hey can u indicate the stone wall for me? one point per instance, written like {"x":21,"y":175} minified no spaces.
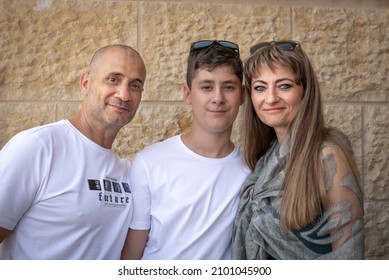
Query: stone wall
{"x":45,"y":45}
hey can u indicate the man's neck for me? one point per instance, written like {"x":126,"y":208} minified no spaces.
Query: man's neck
{"x":94,"y":132}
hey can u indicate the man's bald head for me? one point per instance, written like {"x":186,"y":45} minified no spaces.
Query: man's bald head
{"x":99,"y":53}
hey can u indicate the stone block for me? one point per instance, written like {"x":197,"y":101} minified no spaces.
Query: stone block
{"x":347,"y":118}
{"x":16,"y":117}
{"x":376,"y":152}
{"x":43,"y":57}
{"x":348,"y":48}
{"x":376,"y":229}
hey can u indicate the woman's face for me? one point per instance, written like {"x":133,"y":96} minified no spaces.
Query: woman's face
{"x":276,"y":97}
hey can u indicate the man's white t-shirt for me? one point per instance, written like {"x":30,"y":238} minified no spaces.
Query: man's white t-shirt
{"x":63,"y":196}
{"x":187,"y":201}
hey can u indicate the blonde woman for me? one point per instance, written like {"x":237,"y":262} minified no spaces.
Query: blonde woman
{"x":303,"y":199}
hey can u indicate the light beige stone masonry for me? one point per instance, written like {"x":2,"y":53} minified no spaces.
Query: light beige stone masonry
{"x":46,"y":44}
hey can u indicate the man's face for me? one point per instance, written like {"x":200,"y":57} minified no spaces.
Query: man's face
{"x":113,"y":87}
{"x":215,"y":97}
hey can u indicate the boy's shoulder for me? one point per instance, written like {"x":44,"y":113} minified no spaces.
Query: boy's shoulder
{"x":162,"y":145}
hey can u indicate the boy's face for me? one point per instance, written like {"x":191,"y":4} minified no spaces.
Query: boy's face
{"x":215,"y":98}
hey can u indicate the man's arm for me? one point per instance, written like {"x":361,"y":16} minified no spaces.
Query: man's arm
{"x":4,"y":233}
{"x":135,"y":244}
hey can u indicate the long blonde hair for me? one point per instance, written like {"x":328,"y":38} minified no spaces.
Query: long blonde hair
{"x":304,"y":196}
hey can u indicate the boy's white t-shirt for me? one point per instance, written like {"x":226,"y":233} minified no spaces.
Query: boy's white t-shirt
{"x":188,"y":201}
{"x":64,"y":196}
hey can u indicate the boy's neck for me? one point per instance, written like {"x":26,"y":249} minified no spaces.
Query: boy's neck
{"x":208,"y":145}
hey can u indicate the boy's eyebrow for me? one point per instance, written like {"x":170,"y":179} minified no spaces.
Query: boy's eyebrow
{"x":231,"y":82}
{"x":224,"y":82}
{"x":206,"y":81}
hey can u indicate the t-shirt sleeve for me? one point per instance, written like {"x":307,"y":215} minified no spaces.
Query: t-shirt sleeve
{"x":139,"y":185}
{"x":22,"y":168}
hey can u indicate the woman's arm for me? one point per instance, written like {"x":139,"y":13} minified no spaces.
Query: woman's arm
{"x":344,"y":198}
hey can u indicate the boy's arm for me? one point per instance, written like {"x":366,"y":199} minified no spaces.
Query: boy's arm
{"x":4,"y":233}
{"x":135,"y":244}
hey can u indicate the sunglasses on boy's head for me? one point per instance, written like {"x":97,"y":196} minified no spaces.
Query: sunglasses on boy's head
{"x":207,"y":43}
{"x":283,"y":45}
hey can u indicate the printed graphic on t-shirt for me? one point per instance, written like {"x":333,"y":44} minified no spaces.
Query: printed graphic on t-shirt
{"x":126,"y":187}
{"x":94,"y":185}
{"x":113,"y":194}
{"x":107,"y":185}
{"x":116,"y":187}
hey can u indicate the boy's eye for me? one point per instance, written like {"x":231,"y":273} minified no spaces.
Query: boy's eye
{"x":229,"y":87}
{"x":206,"y":87}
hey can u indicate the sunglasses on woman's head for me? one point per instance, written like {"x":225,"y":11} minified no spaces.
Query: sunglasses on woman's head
{"x":207,"y":43}
{"x":282,"y":45}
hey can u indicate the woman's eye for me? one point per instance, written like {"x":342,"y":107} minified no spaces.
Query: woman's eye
{"x":285,"y":86}
{"x":259,"y":88}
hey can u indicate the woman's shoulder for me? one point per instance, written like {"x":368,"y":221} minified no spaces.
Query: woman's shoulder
{"x":337,"y":143}
{"x":339,"y":164}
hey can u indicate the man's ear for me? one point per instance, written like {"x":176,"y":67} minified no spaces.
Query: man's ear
{"x":84,"y":83}
{"x":186,"y":94}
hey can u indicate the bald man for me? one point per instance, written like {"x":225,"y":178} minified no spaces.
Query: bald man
{"x":64,"y":194}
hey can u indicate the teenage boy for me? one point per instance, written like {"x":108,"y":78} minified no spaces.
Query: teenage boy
{"x":186,"y":188}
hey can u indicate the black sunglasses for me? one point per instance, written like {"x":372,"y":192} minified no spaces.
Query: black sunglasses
{"x":283,"y":45}
{"x":207,"y":43}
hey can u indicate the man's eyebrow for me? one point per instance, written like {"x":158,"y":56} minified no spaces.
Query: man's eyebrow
{"x":118,"y":74}
{"x":115,"y":74}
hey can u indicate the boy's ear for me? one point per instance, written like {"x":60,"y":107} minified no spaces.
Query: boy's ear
{"x":186,"y":94}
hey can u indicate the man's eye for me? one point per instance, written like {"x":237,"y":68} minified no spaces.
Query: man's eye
{"x":137,"y":87}
{"x":112,"y":80}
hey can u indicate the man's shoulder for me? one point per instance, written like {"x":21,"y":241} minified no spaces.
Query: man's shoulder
{"x":59,"y":125}
{"x":38,"y":132}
